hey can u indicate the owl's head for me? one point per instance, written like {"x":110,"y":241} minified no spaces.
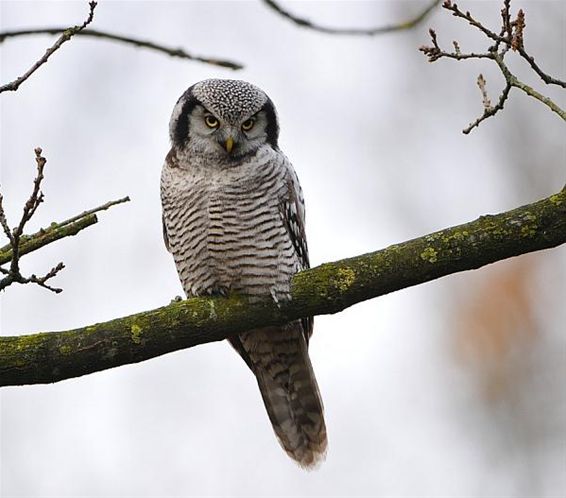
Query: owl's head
{"x":224,"y":119}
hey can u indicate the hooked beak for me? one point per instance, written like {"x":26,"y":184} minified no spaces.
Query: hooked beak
{"x":229,"y":144}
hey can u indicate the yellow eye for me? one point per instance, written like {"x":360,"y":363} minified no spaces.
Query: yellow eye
{"x":211,"y":121}
{"x":248,"y":124}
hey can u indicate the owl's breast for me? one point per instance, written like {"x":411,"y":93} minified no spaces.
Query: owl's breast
{"x":247,"y":241}
{"x":226,"y":231}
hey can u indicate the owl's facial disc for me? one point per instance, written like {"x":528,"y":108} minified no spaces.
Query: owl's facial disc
{"x":234,"y":138}
{"x":224,"y":117}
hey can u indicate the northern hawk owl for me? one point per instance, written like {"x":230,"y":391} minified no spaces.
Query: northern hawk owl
{"x":234,"y":221}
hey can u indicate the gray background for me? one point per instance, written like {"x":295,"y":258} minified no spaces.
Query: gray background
{"x":374,"y":132}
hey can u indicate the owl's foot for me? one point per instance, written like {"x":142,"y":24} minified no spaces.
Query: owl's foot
{"x":218,"y":292}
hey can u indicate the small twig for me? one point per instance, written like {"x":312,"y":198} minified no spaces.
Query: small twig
{"x":456,"y":12}
{"x":511,"y":37}
{"x":173,"y":52}
{"x":305,"y":23}
{"x":36,"y":197}
{"x":505,"y":23}
{"x":34,"y":200}
{"x":84,"y":214}
{"x":549,"y":80}
{"x":514,"y":82}
{"x":485,"y":97}
{"x":67,"y":35}
{"x":490,"y":111}
{"x":435,"y":52}
{"x":41,"y":280}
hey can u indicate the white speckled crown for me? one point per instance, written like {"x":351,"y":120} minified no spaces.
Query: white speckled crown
{"x":232,"y":100}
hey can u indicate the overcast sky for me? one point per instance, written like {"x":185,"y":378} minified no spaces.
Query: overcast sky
{"x":374,"y":132}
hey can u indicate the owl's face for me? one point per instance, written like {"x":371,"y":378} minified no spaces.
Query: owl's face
{"x":223,"y":119}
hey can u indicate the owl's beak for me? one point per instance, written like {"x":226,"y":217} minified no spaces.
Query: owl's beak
{"x":229,"y":144}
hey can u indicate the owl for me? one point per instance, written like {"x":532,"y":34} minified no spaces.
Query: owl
{"x":234,"y":221}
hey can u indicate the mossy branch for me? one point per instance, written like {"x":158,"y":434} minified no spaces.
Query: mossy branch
{"x":56,"y":231}
{"x":30,"y":243}
{"x":329,"y":288}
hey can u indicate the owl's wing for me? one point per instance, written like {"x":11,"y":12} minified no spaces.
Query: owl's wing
{"x":293,"y":214}
{"x":165,"y":237}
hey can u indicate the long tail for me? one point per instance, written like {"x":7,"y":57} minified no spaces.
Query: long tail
{"x":279,"y":358}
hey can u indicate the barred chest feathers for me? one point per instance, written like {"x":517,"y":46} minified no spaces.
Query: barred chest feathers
{"x":225,"y":226}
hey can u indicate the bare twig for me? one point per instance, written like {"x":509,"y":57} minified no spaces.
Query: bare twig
{"x":305,"y":23}
{"x":549,"y":80}
{"x":67,"y":35}
{"x":490,"y":111}
{"x":20,"y":244}
{"x":84,"y":214}
{"x":35,"y":199}
{"x":173,"y":52}
{"x":41,"y":281}
{"x":485,"y":97}
{"x":514,"y":82}
{"x":509,"y":38}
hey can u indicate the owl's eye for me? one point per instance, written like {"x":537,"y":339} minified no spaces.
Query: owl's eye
{"x":211,"y":121}
{"x":248,"y":124}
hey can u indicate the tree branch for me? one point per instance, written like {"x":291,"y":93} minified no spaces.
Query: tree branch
{"x":136,"y":42}
{"x":329,"y":288}
{"x":56,"y":231}
{"x":305,"y":23}
{"x":68,"y":33}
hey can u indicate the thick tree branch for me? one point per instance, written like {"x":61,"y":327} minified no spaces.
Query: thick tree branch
{"x":329,"y":288}
{"x":379,"y":30}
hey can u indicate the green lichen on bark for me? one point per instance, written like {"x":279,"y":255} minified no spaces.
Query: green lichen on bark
{"x":137,"y":332}
{"x":328,"y":288}
{"x":429,"y":254}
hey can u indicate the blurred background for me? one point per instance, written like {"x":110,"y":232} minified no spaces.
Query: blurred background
{"x":450,"y":389}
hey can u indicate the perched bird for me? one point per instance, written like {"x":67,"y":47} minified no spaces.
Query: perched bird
{"x":234,"y":221}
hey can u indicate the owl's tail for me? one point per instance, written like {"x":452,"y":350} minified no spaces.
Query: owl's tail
{"x":279,"y":358}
